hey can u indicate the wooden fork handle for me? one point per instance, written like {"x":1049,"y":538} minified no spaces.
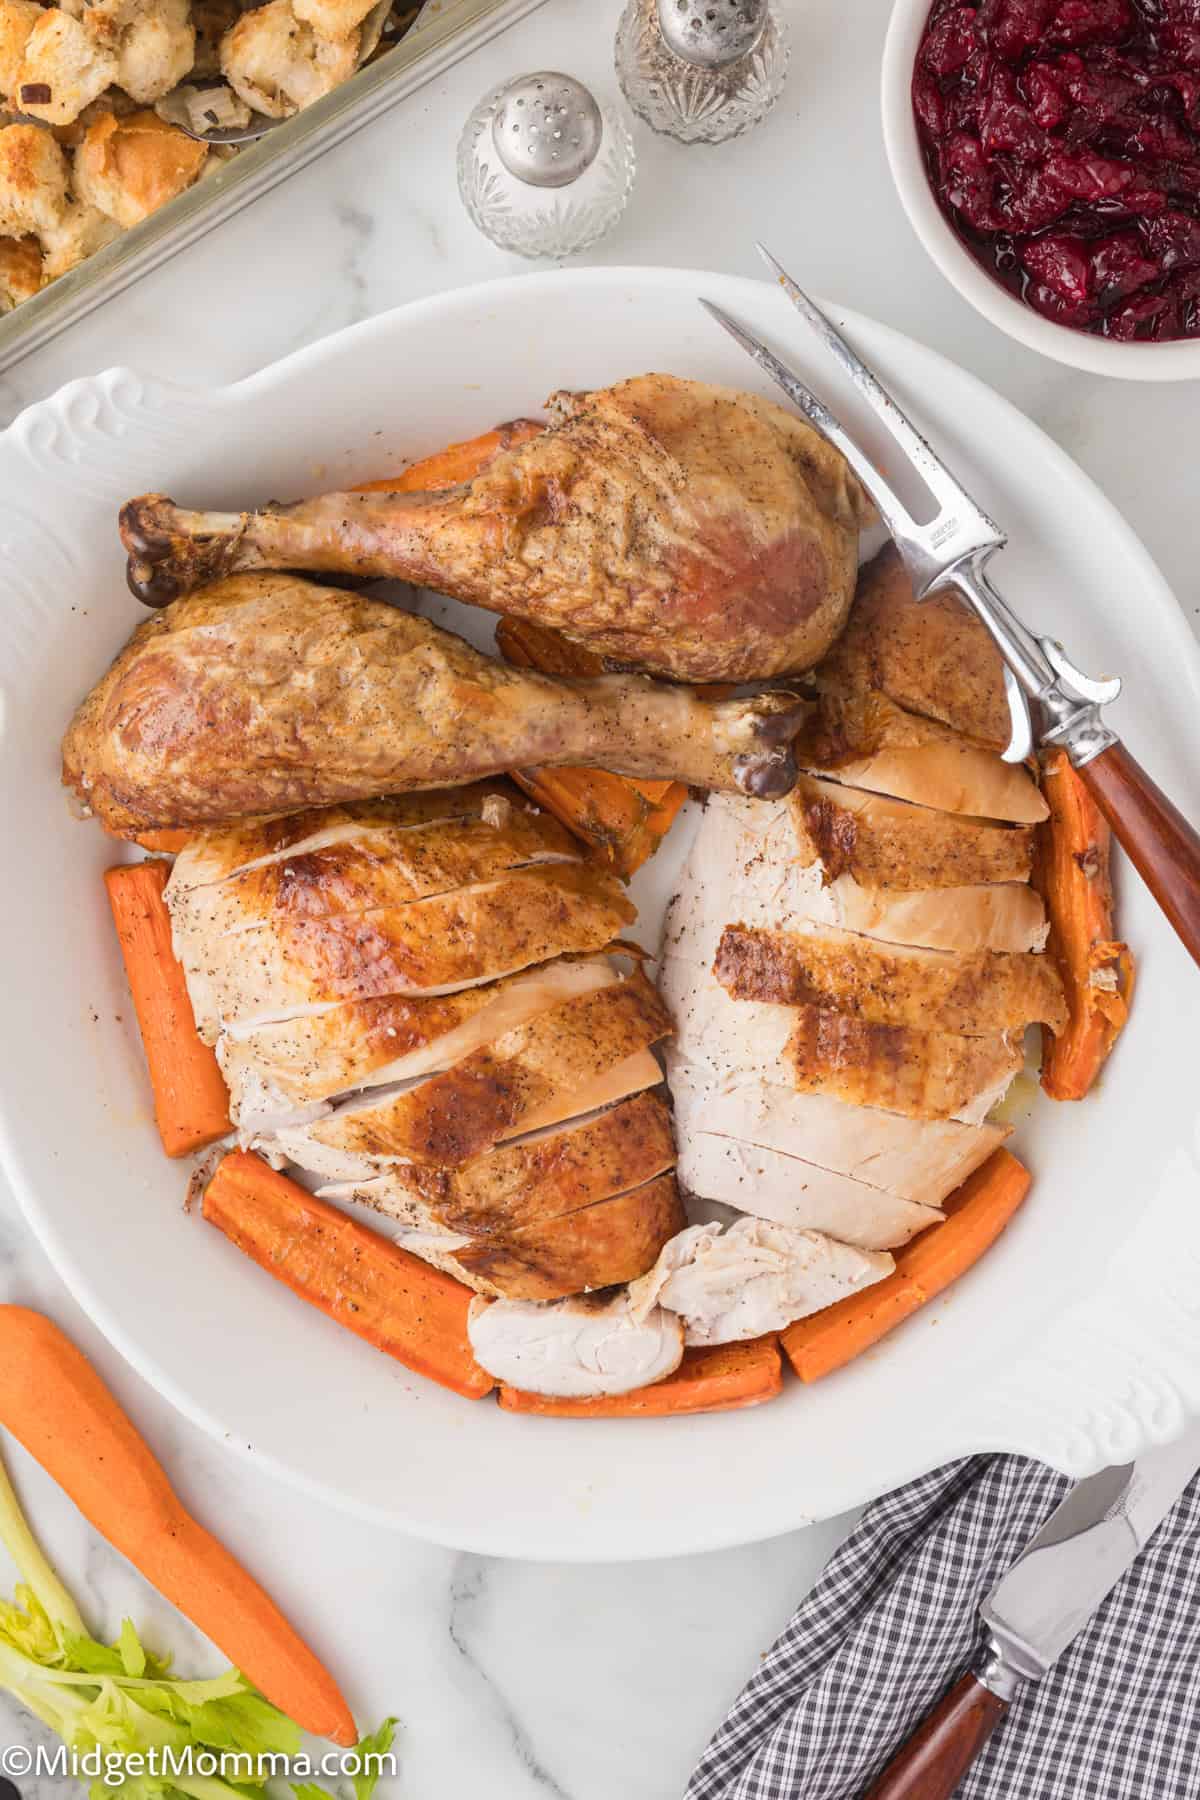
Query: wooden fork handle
{"x":1159,"y":842}
{"x":942,"y":1749}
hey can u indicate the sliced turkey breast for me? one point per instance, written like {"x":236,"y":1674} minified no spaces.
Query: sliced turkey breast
{"x":536,"y":1177}
{"x":861,"y":737}
{"x":773,"y":1185}
{"x":595,"y":1246}
{"x":745,"y":866}
{"x":255,"y":843}
{"x":931,"y":657}
{"x":612,"y":1240}
{"x":1003,"y":916}
{"x":433,"y":946}
{"x":936,"y":990}
{"x":581,"y":1348}
{"x":286,"y":1072}
{"x":926,"y":1074}
{"x":549,"y":1068}
{"x":954,"y":777}
{"x":916,"y":1159}
{"x":887,"y":843}
{"x":724,"y":1040}
{"x":728,"y":1079}
{"x":753,"y":1277}
{"x":387,"y":867}
{"x":297,"y":1144}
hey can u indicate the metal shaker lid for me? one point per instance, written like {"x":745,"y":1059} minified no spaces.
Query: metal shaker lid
{"x":547,"y":129}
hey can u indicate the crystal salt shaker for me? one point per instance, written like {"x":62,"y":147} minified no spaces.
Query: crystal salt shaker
{"x":701,"y":70}
{"x":544,"y":168}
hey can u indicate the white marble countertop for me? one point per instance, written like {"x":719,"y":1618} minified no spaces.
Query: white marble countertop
{"x":518,"y":1680}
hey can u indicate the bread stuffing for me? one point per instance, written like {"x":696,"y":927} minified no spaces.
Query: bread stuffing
{"x":279,"y":64}
{"x":77,"y":80}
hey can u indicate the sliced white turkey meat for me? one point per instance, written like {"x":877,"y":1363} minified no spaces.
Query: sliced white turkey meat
{"x":580,"y":1348}
{"x":917,"y":1159}
{"x":535,"y":1177}
{"x":722,"y":1041}
{"x":356,"y":870}
{"x":433,"y":946}
{"x":863,"y":738}
{"x":753,"y":1276}
{"x":229,"y":850}
{"x":287,"y":1073}
{"x":725,"y":1069}
{"x":818,"y":1049}
{"x":976,"y":993}
{"x":747,"y":866}
{"x":1005,"y":915}
{"x":771,"y":1184}
{"x":952,"y":777}
{"x":600,"y":1245}
{"x":926,"y":1074}
{"x":893,"y":844}
{"x":569,"y":1059}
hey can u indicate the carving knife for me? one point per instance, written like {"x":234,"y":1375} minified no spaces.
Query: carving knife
{"x":1039,"y":1608}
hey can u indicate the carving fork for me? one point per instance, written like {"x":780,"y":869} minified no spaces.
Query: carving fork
{"x":1050,"y":701}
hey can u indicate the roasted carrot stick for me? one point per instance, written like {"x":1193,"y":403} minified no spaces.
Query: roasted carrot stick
{"x":457,"y":462}
{"x":716,"y":1379}
{"x":1073,"y":847}
{"x":191,"y":1101}
{"x":360,"y":1279}
{"x":165,"y":843}
{"x":976,"y":1214}
{"x":55,"y":1404}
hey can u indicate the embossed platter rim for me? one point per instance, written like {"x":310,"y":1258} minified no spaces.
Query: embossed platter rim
{"x":1076,"y":1340}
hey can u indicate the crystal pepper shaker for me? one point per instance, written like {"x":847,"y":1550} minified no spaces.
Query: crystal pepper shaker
{"x":543,"y":167}
{"x":701,"y":70}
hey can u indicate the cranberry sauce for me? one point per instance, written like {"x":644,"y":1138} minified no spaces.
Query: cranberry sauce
{"x":1062,"y":139}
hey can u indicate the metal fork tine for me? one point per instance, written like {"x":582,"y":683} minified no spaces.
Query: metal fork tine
{"x":938,"y":478}
{"x":891,"y":508}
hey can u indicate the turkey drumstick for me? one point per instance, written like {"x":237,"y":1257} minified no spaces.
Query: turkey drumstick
{"x":684,"y":529}
{"x":266,"y":693}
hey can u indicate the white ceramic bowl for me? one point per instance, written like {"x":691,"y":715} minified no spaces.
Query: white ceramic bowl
{"x":1178,"y":361}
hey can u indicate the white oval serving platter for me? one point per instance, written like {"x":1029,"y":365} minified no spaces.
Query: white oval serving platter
{"x":1076,"y":1340}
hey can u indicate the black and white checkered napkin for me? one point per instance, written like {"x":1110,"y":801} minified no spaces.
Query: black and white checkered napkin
{"x":892,"y":1623}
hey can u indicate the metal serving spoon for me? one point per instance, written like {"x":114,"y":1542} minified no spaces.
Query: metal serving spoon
{"x":1051,"y":702}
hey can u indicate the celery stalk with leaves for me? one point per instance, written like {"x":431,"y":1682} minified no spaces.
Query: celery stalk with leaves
{"x":121,"y":1700}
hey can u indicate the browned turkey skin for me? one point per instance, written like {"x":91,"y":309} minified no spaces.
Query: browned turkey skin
{"x":689,"y":530}
{"x":266,"y":694}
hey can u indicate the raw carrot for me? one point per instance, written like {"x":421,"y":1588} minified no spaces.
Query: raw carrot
{"x":191,"y":1101}
{"x":718,"y":1378}
{"x":456,"y":463}
{"x":362,"y":1280}
{"x":1073,"y":848}
{"x":55,"y":1404}
{"x":976,"y":1214}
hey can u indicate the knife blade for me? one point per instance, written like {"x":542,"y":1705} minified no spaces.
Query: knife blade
{"x":1039,"y":1607}
{"x":1044,"y":1601}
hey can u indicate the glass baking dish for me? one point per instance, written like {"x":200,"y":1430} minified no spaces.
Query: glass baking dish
{"x":446,"y":31}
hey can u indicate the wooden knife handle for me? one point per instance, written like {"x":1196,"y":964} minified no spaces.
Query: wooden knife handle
{"x":1159,"y":842}
{"x":942,"y":1748}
